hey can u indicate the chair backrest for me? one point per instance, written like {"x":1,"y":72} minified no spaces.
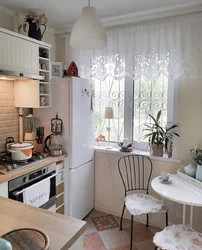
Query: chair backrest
{"x":135,"y":172}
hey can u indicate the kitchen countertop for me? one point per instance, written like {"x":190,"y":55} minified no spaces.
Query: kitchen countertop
{"x":29,"y":168}
{"x":63,"y":231}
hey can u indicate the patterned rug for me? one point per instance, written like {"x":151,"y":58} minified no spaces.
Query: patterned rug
{"x":105,"y":222}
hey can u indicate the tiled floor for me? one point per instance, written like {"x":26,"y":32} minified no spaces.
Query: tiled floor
{"x":97,"y":237}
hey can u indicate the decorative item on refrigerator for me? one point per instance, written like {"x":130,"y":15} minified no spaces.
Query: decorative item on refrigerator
{"x":37,"y":194}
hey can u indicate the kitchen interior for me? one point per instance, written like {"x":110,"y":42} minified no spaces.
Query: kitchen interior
{"x":100,"y":125}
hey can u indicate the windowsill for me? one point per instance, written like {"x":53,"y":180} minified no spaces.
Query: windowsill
{"x":135,"y":151}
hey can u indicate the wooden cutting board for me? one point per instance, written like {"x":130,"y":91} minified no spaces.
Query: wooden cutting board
{"x":27,"y":238}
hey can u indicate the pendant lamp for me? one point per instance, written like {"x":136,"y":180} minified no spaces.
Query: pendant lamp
{"x":88,"y":31}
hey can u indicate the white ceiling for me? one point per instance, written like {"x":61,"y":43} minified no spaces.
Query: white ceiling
{"x":63,"y":13}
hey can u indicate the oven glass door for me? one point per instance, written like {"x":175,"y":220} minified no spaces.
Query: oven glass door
{"x":19,"y":197}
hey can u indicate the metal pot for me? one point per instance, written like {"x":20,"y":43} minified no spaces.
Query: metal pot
{"x":21,"y":151}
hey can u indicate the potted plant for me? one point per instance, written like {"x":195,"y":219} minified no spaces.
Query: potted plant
{"x":35,"y":22}
{"x":196,"y":155}
{"x":159,"y":137}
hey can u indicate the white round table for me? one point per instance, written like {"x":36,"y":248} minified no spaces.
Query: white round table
{"x":179,"y":191}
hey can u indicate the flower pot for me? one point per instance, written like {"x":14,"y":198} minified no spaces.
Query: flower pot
{"x":156,"y":150}
{"x":199,"y":173}
{"x":35,"y":32}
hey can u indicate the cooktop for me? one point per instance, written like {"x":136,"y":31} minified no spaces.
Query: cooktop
{"x":8,"y":165}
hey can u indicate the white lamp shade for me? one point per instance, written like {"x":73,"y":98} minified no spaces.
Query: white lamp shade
{"x":88,"y":31}
{"x":109,"y":113}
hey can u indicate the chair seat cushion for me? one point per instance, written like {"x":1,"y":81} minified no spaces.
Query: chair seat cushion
{"x":143,"y":204}
{"x":180,"y":237}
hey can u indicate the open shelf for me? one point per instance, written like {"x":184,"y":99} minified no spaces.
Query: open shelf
{"x":44,"y":82}
{"x":43,"y":70}
{"x":43,"y":58}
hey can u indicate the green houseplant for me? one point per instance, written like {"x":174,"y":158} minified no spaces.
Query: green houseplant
{"x":35,"y":22}
{"x":158,"y":136}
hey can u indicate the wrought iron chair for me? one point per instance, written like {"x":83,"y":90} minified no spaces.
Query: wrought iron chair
{"x":135,"y":172}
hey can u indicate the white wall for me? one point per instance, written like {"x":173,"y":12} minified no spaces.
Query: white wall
{"x":6,"y":21}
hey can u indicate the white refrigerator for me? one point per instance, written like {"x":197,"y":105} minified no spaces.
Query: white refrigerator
{"x":71,"y":98}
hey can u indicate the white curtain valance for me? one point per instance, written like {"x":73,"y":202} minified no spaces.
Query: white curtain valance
{"x":172,"y":45}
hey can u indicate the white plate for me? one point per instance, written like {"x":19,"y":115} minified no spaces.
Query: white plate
{"x":165,"y":182}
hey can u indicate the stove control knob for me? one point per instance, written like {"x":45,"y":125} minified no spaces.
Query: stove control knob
{"x":40,"y":157}
{"x":25,"y":179}
{"x":9,"y":168}
{"x":44,"y":171}
{"x":14,"y":166}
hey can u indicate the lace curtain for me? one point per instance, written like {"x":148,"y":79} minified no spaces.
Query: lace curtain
{"x":150,"y":55}
{"x":130,"y":46}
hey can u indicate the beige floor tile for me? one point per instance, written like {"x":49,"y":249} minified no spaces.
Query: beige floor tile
{"x":124,"y":248}
{"x":93,"y":242}
{"x":140,"y":233}
{"x":155,"y":229}
{"x":96,"y":213}
{"x":90,"y":227}
{"x":126,"y":222}
{"x":145,"y":245}
{"x":114,"y":238}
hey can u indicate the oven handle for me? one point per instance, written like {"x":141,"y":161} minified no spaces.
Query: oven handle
{"x":22,"y":191}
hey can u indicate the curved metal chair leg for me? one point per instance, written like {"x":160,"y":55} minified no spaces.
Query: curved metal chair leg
{"x":166,"y":219}
{"x":131,"y":234}
{"x":121,"y":220}
{"x":147,"y":225}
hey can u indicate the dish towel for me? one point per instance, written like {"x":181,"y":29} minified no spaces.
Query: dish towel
{"x":37,"y":194}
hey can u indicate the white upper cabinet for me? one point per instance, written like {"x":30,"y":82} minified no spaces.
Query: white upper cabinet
{"x":18,"y":55}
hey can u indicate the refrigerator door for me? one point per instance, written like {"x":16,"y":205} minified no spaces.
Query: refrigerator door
{"x":81,"y":190}
{"x":81,"y":148}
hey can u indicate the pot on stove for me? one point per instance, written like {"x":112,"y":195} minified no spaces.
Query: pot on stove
{"x":21,"y":151}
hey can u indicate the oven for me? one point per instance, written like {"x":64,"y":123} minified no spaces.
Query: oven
{"x":17,"y":186}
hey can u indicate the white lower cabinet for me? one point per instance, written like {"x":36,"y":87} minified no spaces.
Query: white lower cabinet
{"x":4,"y":189}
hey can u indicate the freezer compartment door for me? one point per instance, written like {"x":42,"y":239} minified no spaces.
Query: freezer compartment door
{"x":82,"y":123}
{"x":81,"y":190}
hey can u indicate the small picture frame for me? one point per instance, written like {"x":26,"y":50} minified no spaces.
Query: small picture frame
{"x":56,"y":69}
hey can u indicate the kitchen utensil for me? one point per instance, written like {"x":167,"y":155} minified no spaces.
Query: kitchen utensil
{"x":190,"y":170}
{"x":9,"y":142}
{"x":43,"y":101}
{"x":165,"y":176}
{"x":43,"y":66}
{"x":42,"y":89}
{"x":165,"y":182}
{"x":40,"y":134}
{"x":27,"y":238}
{"x":21,"y":151}
{"x":53,"y":144}
{"x":56,"y":125}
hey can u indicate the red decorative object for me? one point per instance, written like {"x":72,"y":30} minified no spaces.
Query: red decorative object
{"x":72,"y":70}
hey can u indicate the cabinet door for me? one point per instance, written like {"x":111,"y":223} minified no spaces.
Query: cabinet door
{"x":4,"y":189}
{"x":18,"y":54}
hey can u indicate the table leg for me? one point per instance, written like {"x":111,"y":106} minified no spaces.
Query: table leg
{"x":184,"y":215}
{"x":191,"y":216}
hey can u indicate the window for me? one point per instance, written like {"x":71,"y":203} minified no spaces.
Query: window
{"x":133,"y":95}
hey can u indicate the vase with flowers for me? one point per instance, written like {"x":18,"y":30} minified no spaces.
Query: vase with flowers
{"x":196,"y":155}
{"x":35,"y":22}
